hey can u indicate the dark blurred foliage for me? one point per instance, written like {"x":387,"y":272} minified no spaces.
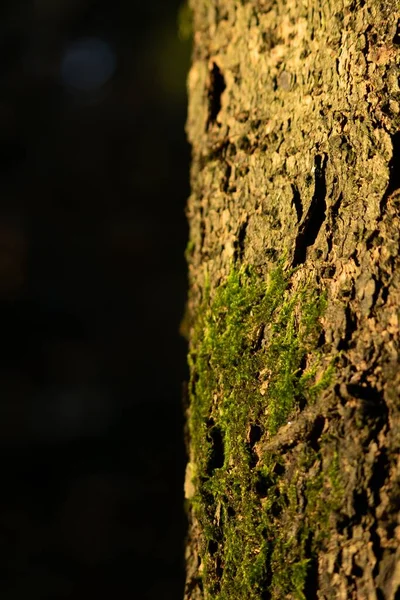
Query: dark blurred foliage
{"x":93,"y":183}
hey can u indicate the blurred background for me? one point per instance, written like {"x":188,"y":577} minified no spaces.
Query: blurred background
{"x":94,"y":171}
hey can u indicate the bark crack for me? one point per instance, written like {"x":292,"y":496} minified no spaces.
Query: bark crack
{"x":316,"y":214}
{"x":217,"y":86}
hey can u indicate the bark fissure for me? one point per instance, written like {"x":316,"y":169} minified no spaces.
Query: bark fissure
{"x":315,"y":216}
{"x":217,"y":86}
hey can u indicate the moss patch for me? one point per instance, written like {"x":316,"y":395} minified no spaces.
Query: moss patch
{"x":254,"y":365}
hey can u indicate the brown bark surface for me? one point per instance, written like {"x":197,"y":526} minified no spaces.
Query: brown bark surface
{"x":294,"y":119}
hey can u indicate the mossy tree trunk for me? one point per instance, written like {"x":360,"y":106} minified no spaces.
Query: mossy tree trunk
{"x":293,"y":412}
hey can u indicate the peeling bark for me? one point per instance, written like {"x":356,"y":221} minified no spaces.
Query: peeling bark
{"x":294,"y":121}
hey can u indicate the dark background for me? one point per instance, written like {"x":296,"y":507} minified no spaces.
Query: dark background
{"x":93,"y":182}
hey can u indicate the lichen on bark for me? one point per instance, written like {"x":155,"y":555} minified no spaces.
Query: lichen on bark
{"x":294,"y":122}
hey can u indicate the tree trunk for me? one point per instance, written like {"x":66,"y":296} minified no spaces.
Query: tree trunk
{"x":293,"y":412}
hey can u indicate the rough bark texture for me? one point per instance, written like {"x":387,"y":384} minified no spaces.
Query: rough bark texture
{"x":294,"y":119}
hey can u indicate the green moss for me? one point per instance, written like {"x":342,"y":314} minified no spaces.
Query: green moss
{"x":253,"y":361}
{"x":189,"y":249}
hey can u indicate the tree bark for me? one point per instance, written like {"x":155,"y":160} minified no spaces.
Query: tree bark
{"x":293,"y":412}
